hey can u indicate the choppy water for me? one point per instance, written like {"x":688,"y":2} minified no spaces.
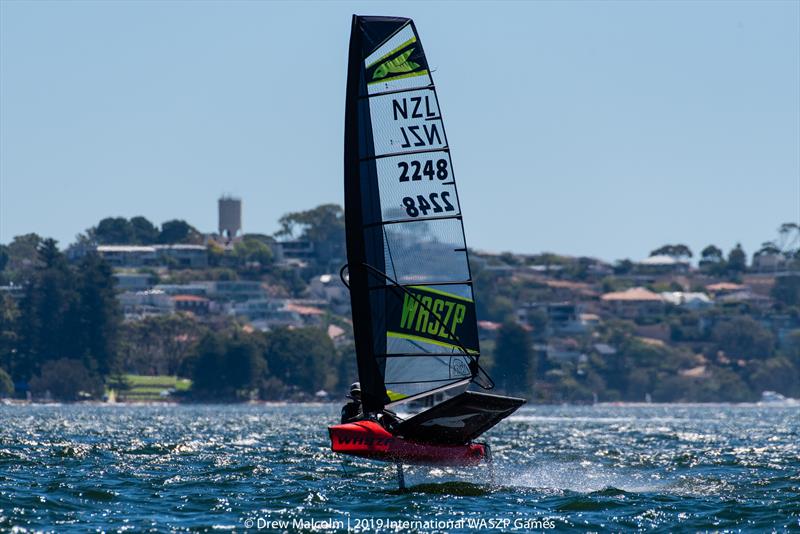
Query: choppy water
{"x":75,"y":468}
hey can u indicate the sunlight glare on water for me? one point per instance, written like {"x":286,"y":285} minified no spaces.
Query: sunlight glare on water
{"x":76,"y":467}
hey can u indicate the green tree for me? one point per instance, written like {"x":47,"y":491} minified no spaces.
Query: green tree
{"x":144,"y":232}
{"x":22,"y":257}
{"x":678,"y":251}
{"x":6,"y":384}
{"x":711,"y":254}
{"x":513,"y":359}
{"x":622,"y":267}
{"x":228,"y":367}
{"x":775,"y":374}
{"x":98,"y":315}
{"x":743,"y":337}
{"x":4,"y":257}
{"x":66,"y":380}
{"x":712,"y":260}
{"x":323,"y":226}
{"x":9,"y":337}
{"x":114,"y":231}
{"x":46,"y":326}
{"x":787,"y":290}
{"x":161,"y":345}
{"x":302,"y":357}
{"x":737,"y":259}
{"x":178,"y":231}
{"x":250,"y":251}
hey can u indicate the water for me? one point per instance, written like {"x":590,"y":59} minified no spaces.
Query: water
{"x":166,"y":468}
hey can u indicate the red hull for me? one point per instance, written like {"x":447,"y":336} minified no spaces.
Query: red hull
{"x":369,"y":439}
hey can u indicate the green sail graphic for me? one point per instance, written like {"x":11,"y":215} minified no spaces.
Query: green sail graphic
{"x":398,"y":65}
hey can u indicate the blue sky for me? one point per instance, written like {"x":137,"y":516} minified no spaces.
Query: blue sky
{"x":585,"y":128}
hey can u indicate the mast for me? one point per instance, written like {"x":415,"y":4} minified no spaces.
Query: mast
{"x":373,"y":390}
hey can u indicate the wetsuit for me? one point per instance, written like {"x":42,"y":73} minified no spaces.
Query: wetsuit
{"x":352,"y":412}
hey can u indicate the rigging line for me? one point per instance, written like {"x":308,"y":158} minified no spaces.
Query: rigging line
{"x":441,"y":283}
{"x":434,"y":391}
{"x":389,"y":248}
{"x":444,"y":148}
{"x":416,"y":344}
{"x":419,"y":354}
{"x":403,"y":383}
{"x":418,"y":219}
{"x":474,"y":366}
{"x":386,"y":40}
{"x":384,"y":93}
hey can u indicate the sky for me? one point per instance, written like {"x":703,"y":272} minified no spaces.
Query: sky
{"x":600,"y":129}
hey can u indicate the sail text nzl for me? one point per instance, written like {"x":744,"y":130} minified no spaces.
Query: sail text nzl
{"x":400,"y":107}
{"x":430,"y":132}
{"x":416,"y":107}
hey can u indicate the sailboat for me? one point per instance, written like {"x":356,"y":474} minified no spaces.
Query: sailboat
{"x":411,"y":291}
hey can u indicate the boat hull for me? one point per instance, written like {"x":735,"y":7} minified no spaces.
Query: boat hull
{"x":368,"y":439}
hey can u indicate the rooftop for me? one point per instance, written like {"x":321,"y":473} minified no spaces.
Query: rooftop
{"x":634,"y":294}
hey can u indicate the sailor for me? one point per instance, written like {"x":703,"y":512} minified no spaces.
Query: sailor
{"x":352,"y":410}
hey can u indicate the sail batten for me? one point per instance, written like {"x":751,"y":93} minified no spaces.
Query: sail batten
{"x":411,"y":285}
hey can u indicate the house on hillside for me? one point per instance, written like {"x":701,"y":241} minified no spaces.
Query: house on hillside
{"x":723,"y":288}
{"x":176,"y":255}
{"x":140,"y":304}
{"x":661,"y":264}
{"x":331,"y":289}
{"x":191,"y":303}
{"x":687,"y":299}
{"x":128,"y":255}
{"x":634,"y":303}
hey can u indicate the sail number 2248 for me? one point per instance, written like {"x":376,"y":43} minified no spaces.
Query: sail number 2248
{"x":414,"y":171}
{"x":418,"y":169}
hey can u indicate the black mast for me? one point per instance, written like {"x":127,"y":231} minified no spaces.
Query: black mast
{"x":366,"y":33}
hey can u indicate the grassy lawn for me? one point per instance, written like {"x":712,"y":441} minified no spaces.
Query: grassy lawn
{"x":149,"y":388}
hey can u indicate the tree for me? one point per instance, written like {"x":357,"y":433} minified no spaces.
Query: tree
{"x":46,"y":326}
{"x":68,"y":313}
{"x":22,"y":257}
{"x":678,"y":251}
{"x":228,"y":368}
{"x":323,"y":226}
{"x":6,"y":384}
{"x":737,"y":259}
{"x":787,"y":290}
{"x":9,"y":328}
{"x":144,"y":232}
{"x":622,"y":267}
{"x":711,"y":254}
{"x":178,"y":231}
{"x":98,"y":315}
{"x":302,"y":357}
{"x":161,"y":344}
{"x":67,"y":380}
{"x":513,"y":358}
{"x":743,"y":337}
{"x":775,"y":374}
{"x":4,"y":257}
{"x":251,"y":251}
{"x":114,"y":231}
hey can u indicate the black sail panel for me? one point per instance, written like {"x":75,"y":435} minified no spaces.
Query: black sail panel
{"x":411,"y":287}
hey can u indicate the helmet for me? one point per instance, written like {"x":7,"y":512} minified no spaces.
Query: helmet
{"x":355,"y":390}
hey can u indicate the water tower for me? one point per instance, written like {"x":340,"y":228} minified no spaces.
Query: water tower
{"x":230,"y":216}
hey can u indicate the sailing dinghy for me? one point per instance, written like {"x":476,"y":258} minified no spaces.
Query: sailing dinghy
{"x":414,"y":321}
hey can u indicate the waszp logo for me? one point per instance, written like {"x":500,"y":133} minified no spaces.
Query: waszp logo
{"x":434,"y":316}
{"x":398,"y":65}
{"x":417,"y":318}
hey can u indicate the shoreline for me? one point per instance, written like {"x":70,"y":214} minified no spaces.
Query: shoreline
{"x":789,"y":403}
